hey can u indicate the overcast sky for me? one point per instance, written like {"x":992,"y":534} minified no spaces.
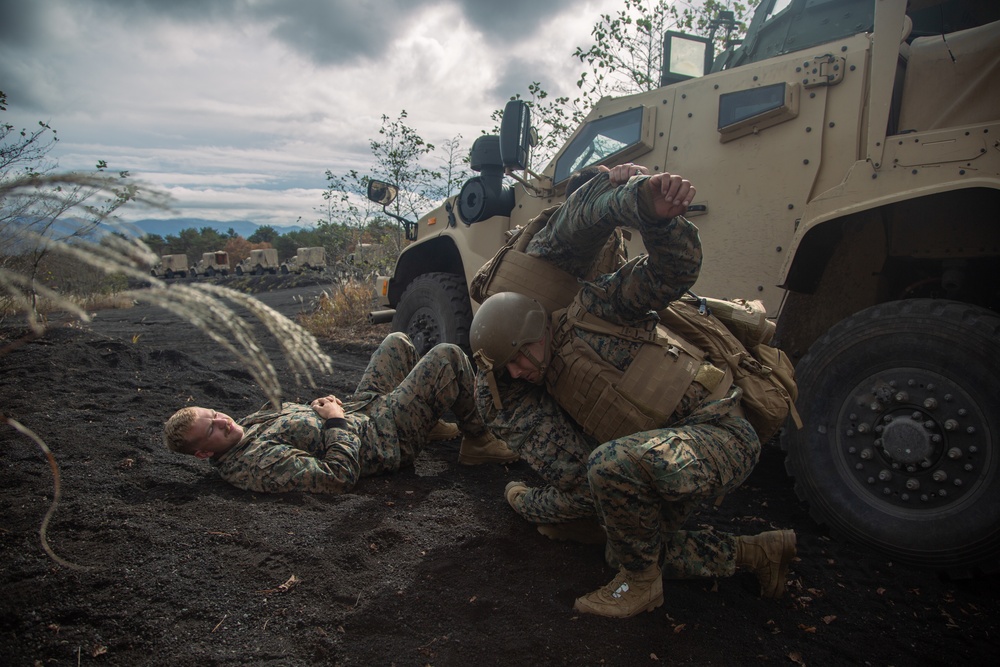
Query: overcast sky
{"x":238,"y":107}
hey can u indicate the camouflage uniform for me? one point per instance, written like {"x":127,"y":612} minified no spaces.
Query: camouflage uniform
{"x":544,"y":436}
{"x":397,"y":403}
{"x":648,"y":481}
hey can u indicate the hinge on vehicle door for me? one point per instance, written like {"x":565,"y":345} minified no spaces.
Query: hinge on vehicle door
{"x":825,"y":70}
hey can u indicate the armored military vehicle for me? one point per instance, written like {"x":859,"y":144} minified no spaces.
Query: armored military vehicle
{"x":170,"y":266}
{"x":847,"y":161}
{"x":260,"y":261}
{"x":306,"y":259}
{"x":212,"y":263}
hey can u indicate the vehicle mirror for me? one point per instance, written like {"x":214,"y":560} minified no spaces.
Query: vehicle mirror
{"x":516,"y":135}
{"x":381,"y":192}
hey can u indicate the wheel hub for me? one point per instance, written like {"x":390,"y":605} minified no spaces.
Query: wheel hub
{"x":907,"y":441}
{"x":913,"y":438}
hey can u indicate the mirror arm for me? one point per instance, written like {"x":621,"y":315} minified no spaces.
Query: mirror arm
{"x":538,"y":191}
{"x":409,"y":228}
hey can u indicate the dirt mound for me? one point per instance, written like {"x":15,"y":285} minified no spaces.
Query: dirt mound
{"x":428,"y":566}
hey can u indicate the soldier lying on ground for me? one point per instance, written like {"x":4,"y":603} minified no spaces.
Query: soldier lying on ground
{"x":645,"y":481}
{"x":326,"y":446}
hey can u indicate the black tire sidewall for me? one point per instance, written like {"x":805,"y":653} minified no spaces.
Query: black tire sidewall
{"x":921,"y":334}
{"x":445,"y":297}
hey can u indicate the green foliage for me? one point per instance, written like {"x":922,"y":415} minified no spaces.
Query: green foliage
{"x":628,"y":49}
{"x":454,"y":168}
{"x":263,"y":234}
{"x":399,"y":153}
{"x":704,"y":20}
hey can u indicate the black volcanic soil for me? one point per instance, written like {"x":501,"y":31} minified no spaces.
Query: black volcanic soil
{"x":426,"y":567}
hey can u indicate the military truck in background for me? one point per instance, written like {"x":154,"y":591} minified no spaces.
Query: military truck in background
{"x":212,"y":263}
{"x":260,"y":261}
{"x":312,"y":259}
{"x":170,"y":266}
{"x":847,"y":160}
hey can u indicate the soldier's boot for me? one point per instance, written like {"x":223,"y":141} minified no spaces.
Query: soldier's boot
{"x":443,"y":431}
{"x":513,"y":493}
{"x":767,"y":555}
{"x":485,"y":448}
{"x":628,"y":594}
{"x":584,"y":531}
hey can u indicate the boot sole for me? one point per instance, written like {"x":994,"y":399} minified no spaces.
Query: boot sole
{"x":653,"y":604}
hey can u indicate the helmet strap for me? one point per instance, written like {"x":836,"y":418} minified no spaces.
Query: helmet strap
{"x":487,"y":367}
{"x":491,"y":381}
{"x":542,"y":365}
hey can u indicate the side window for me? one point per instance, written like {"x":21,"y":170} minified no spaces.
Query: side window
{"x":600,"y":140}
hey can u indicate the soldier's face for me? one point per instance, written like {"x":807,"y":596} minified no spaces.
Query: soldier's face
{"x":212,"y":433}
{"x":521,"y":367}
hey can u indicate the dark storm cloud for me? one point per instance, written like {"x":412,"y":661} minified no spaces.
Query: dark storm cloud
{"x":324,"y":31}
{"x":20,"y":23}
{"x":22,"y":27}
{"x":512,"y":20}
{"x":333,"y":31}
{"x":341,"y":31}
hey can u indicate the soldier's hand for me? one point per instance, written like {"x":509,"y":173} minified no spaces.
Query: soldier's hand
{"x":672,"y":194}
{"x":328,"y":407}
{"x":620,"y":174}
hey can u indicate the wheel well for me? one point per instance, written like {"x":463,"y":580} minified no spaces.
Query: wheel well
{"x":944,"y":245}
{"x":437,"y":255}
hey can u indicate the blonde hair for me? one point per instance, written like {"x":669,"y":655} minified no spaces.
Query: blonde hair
{"x":175,"y":429}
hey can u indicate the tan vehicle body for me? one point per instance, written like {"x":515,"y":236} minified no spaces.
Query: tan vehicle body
{"x":212,"y":263}
{"x":313,"y":259}
{"x":171,"y":266}
{"x":862,"y":206}
{"x":260,"y":261}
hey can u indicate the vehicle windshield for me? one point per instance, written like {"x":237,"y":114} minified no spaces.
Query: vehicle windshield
{"x":600,"y":140}
{"x":794,"y":25}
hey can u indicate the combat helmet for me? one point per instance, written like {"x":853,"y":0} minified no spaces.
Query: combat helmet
{"x":504,"y":324}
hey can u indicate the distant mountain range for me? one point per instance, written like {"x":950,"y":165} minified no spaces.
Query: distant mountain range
{"x":173,"y":226}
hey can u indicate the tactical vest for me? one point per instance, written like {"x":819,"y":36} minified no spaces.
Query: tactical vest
{"x":765,"y":373}
{"x":609,"y":403}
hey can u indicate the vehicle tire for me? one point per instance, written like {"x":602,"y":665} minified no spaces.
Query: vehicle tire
{"x":258,"y":270}
{"x":169,"y":274}
{"x":284,"y":270}
{"x":239,"y":271}
{"x":210,"y":272}
{"x":899,"y":449}
{"x":435,"y":309}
